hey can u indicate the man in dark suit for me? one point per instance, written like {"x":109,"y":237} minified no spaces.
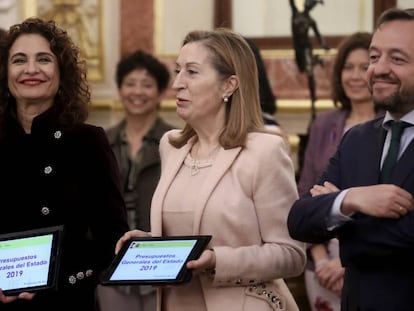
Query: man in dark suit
{"x":371,"y":214}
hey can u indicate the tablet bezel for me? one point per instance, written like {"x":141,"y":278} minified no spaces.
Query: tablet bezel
{"x":183,"y":276}
{"x":57,"y":233}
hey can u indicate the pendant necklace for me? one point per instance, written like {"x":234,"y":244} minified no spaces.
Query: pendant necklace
{"x":195,"y":165}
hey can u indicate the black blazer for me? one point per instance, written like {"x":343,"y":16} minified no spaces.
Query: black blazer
{"x":378,"y":254}
{"x":60,"y":175}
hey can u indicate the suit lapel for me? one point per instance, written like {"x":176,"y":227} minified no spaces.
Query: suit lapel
{"x":173,"y":163}
{"x":404,"y":166}
{"x":169,"y":170}
{"x":380,"y":134}
{"x":222,"y":163}
{"x":367,"y":166}
{"x":370,"y":147}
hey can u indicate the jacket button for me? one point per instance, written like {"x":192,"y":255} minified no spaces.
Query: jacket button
{"x":80,"y":275}
{"x":47,"y":170}
{"x":72,"y":279}
{"x":45,"y":210}
{"x":89,"y":272}
{"x":57,"y":134}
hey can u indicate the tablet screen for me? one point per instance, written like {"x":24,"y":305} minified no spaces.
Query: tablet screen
{"x":28,"y":260}
{"x":156,"y":260}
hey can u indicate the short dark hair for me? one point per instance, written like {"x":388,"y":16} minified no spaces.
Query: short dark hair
{"x":142,"y":60}
{"x":395,"y":14}
{"x":358,"y":40}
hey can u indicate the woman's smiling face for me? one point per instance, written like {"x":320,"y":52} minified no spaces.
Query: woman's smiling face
{"x":33,"y":71}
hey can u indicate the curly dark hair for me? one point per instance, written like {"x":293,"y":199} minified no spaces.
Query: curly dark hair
{"x":141,"y":60}
{"x":73,"y":97}
{"x":358,"y":40}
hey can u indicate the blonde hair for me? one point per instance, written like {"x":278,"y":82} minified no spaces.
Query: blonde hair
{"x":230,"y":55}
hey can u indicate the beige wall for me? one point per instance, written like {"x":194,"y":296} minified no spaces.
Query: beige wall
{"x":158,"y":26}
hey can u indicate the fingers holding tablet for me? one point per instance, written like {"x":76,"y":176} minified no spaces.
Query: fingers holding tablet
{"x":23,"y":295}
{"x":130,"y":235}
{"x":7,"y":299}
{"x":156,"y":260}
{"x":29,"y":262}
{"x":206,"y":261}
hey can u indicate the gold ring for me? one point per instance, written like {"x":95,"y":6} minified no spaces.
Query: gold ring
{"x":401,"y":209}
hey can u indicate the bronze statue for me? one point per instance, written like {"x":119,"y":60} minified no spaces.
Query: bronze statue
{"x":302,"y":22}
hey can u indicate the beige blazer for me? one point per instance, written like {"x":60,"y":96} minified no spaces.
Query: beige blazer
{"x":244,"y":205}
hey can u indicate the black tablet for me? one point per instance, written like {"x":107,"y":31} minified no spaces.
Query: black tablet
{"x":29,"y":260}
{"x":155,"y":260}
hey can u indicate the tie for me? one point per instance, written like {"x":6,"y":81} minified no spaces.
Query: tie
{"x":397,"y":128}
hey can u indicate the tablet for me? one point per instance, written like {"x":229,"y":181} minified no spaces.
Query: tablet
{"x":155,"y":260}
{"x":29,"y":260}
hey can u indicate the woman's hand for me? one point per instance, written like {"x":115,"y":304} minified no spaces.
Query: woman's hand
{"x":337,"y":287}
{"x":8,"y":299}
{"x":326,"y":188}
{"x":330,"y":274}
{"x":207,"y":261}
{"x":129,"y":235}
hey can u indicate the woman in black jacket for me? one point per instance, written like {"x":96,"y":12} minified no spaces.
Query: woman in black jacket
{"x":54,"y":168}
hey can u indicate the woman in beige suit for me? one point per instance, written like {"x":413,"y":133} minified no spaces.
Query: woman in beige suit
{"x":225,"y":176}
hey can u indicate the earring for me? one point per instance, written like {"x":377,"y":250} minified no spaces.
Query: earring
{"x":225,"y":99}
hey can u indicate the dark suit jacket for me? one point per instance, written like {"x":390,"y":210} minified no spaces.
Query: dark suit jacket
{"x":378,"y":254}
